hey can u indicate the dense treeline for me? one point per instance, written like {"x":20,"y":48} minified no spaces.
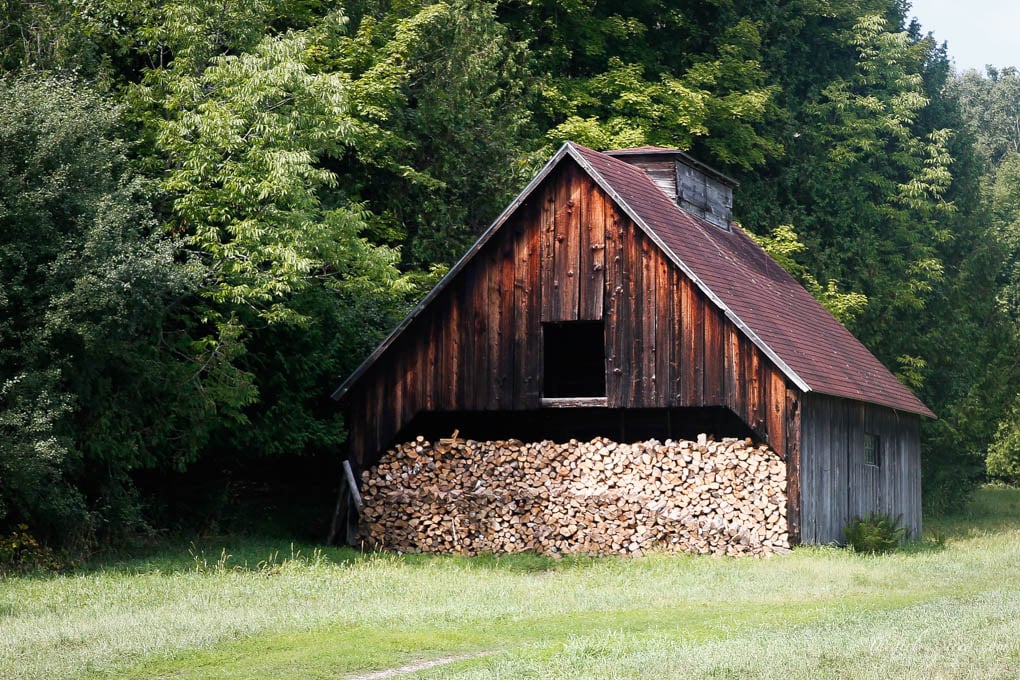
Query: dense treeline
{"x":209,"y":212}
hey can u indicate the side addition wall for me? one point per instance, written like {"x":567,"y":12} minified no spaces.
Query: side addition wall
{"x":836,"y":482}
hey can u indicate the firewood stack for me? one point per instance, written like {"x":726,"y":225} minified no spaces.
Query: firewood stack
{"x":598,"y":497}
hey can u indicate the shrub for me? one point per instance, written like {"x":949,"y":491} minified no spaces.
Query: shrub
{"x":20,"y":552}
{"x":875,"y":533}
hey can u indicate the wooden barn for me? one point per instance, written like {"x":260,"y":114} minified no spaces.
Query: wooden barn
{"x":615,"y":297}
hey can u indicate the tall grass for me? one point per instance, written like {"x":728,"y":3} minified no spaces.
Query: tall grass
{"x":241,"y":610}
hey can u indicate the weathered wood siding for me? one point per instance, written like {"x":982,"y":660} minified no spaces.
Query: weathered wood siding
{"x":569,"y":254}
{"x":837,"y":485}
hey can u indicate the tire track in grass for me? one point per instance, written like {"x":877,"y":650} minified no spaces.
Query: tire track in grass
{"x":417,"y":666}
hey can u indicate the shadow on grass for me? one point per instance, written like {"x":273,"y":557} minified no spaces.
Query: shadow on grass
{"x":261,"y":553}
{"x":995,"y":509}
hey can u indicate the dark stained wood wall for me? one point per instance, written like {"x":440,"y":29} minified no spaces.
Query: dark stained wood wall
{"x":569,"y":254}
{"x":837,"y":484}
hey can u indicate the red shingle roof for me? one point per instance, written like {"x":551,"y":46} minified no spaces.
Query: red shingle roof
{"x":768,"y":304}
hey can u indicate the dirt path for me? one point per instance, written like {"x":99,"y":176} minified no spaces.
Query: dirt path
{"x":416,"y":666}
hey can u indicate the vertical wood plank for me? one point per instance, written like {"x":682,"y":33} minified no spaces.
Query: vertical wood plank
{"x":693,"y":346}
{"x":379,"y":410}
{"x":568,"y":237}
{"x":755,"y":401}
{"x":649,"y":323}
{"x":793,"y":465}
{"x":396,"y":387}
{"x":825,"y":496}
{"x":632,"y":315}
{"x":745,"y":350}
{"x":858,"y":477}
{"x":462,"y":330}
{"x":547,"y":230}
{"x":777,"y":413}
{"x":354,"y":421}
{"x":913,"y":453}
{"x":427,"y":362}
{"x":676,"y":365}
{"x":507,"y":350}
{"x":663,"y":330}
{"x":465,"y":341}
{"x":808,"y":487}
{"x":840,"y":440}
{"x":733,"y":371}
{"x":481,"y":340}
{"x":413,"y":376}
{"x":715,"y":359}
{"x":592,"y":268}
{"x":583,"y":208}
{"x":531,"y":315}
{"x":522,"y":301}
{"x":495,"y":310}
{"x":617,"y":351}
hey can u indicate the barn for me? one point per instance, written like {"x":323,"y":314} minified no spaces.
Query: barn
{"x":615,"y":297}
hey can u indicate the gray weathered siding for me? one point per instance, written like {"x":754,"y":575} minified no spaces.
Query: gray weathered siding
{"x":836,"y":484}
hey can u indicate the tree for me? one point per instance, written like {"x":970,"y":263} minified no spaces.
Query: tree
{"x":451,"y":91}
{"x":91,"y":372}
{"x":614,"y":77}
{"x":252,"y":142}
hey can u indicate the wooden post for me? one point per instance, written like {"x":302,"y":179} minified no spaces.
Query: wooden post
{"x":348,"y":491}
{"x":353,"y":484}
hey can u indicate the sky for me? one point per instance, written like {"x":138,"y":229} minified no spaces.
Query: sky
{"x":978,"y":32}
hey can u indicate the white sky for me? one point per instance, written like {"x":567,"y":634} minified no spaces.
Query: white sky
{"x":978,"y":32}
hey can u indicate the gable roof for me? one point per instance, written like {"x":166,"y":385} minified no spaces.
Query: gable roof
{"x":812,"y":349}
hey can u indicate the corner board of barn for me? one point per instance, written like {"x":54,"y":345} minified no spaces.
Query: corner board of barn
{"x":614,"y":298}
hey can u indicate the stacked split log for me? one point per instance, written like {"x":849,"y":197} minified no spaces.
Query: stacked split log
{"x":597,"y":497}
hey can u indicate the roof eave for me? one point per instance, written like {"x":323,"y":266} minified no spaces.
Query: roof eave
{"x":921,"y":409}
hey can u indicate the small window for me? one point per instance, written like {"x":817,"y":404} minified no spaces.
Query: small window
{"x":871,"y":449}
{"x":575,"y":359}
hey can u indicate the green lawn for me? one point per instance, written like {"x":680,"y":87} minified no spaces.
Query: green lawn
{"x":935,"y":611}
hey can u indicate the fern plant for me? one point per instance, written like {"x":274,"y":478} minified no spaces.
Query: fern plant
{"x":875,"y":533}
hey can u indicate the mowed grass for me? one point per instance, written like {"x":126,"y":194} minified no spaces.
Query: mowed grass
{"x":947,"y":608}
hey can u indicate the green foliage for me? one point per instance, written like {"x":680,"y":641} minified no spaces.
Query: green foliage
{"x":47,"y":34}
{"x":875,"y":533}
{"x":992,"y":103}
{"x":1005,"y":205}
{"x":252,"y":142}
{"x":447,"y":89}
{"x":614,"y":77}
{"x":21,"y":552}
{"x":1004,"y":453}
{"x":88,"y":352}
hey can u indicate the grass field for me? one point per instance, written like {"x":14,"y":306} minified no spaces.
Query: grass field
{"x":947,"y":608}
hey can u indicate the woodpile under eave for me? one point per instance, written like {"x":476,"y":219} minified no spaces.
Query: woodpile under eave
{"x":597,"y":497}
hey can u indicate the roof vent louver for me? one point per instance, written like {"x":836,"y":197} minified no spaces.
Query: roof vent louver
{"x":694,"y":186}
{"x":703,"y":195}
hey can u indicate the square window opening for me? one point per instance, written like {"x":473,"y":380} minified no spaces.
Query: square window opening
{"x":574,"y":359}
{"x":871,"y":449}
